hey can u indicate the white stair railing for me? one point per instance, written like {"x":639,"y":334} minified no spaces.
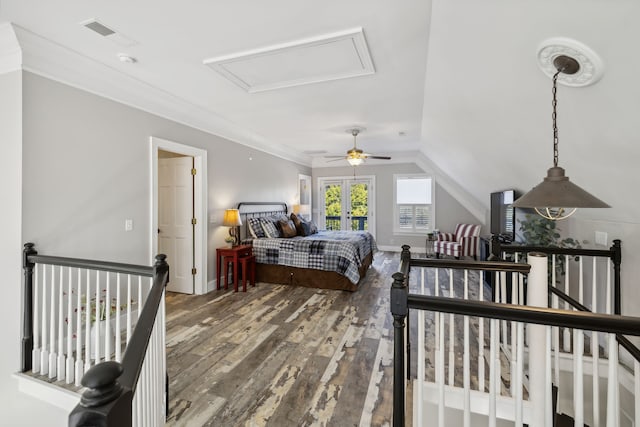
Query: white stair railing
{"x":78,"y":322}
{"x":580,"y":371}
{"x":101,"y":325}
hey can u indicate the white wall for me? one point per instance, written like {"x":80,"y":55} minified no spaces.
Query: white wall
{"x":87,"y":169}
{"x":449,"y":211}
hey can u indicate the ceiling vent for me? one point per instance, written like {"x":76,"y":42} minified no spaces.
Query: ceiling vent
{"x":108,"y":33}
{"x":318,"y":59}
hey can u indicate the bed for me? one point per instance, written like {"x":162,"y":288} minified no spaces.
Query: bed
{"x":326,"y":260}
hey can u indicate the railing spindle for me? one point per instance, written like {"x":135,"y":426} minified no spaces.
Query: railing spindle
{"x":566,"y":333}
{"x":613,"y":401}
{"x":70,"y":360}
{"x":78,"y":367}
{"x":52,"y":327}
{"x":636,"y":389}
{"x":494,"y":370}
{"x":452,"y":365}
{"x":595,"y":348}
{"x":517,"y":353}
{"x":481,"y":320}
{"x":421,"y":351}
{"x":129,"y":307}
{"x":117,"y":313}
{"x":35,"y":354}
{"x":87,"y":324}
{"x":107,"y":323}
{"x":466,"y":358}
{"x":97,"y":327}
{"x":60,"y":309}
{"x":578,"y":376}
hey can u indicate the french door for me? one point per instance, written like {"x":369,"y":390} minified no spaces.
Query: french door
{"x":347,"y":203}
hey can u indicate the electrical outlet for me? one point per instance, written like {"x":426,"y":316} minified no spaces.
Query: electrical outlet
{"x":128,"y":225}
{"x":601,"y":238}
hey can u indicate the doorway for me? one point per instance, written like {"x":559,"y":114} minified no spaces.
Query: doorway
{"x":347,"y":203}
{"x":178,"y":213}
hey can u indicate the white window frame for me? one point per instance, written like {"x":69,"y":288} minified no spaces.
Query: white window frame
{"x":396,"y":210}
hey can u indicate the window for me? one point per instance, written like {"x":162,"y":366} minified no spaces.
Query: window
{"x":414,"y":209}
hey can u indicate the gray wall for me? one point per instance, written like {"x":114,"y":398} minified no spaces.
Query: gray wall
{"x":87,"y":169}
{"x":448,"y":211}
{"x":18,"y":408}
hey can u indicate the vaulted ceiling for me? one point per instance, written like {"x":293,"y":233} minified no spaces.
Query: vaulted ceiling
{"x":457,"y":80}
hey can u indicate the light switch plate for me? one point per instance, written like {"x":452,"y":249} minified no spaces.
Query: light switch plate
{"x":601,"y":238}
{"x":128,"y":225}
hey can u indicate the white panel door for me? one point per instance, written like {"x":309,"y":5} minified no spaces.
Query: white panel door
{"x":175,"y":211}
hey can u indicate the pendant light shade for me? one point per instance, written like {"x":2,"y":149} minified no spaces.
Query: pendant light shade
{"x":556,"y":197}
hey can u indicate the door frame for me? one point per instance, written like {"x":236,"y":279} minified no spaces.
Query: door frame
{"x":200,"y":206}
{"x":346,"y":179}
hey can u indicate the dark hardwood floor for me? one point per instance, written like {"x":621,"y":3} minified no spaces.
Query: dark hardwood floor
{"x":283,"y":356}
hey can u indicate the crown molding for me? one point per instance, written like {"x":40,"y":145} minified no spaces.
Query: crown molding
{"x":56,"y":62}
{"x":10,"y":51}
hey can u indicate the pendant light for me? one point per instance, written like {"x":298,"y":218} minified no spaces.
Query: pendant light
{"x":556,"y":197}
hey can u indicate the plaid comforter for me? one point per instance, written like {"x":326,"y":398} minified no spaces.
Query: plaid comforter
{"x":339,"y":251}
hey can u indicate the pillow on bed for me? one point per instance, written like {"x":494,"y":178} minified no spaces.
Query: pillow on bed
{"x":313,"y":228}
{"x":269,"y":228}
{"x":255,"y":228}
{"x":287,"y":228}
{"x":297,"y":223}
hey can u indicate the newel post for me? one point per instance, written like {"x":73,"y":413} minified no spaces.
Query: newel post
{"x":105,"y":403}
{"x":617,"y":261}
{"x":27,"y":322}
{"x":399,"y":310}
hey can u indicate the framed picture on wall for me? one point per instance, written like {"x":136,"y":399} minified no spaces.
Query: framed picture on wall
{"x":304,"y":191}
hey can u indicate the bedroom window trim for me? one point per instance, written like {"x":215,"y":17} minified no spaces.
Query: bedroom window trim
{"x":429,"y":203}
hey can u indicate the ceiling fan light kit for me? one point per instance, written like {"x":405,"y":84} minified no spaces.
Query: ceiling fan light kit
{"x":556,"y":197}
{"x":356,"y":156}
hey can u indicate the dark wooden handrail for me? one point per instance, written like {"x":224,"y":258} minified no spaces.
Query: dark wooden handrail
{"x":112,"y":267}
{"x":110,"y":385}
{"x":589,"y":321}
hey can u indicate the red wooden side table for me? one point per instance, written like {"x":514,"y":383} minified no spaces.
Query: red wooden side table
{"x":231,"y":255}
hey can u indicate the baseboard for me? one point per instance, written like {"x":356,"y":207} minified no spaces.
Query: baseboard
{"x":52,"y":394}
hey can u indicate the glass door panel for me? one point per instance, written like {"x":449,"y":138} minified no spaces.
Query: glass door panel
{"x":333,"y":206}
{"x":358,"y":212}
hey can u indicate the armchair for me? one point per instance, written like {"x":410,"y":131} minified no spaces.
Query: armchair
{"x":464,"y":241}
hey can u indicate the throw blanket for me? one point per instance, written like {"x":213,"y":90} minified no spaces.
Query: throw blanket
{"x":339,"y":251}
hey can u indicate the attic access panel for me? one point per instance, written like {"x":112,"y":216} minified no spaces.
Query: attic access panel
{"x":318,"y":59}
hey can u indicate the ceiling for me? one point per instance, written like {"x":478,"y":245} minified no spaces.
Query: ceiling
{"x":456,"y":80}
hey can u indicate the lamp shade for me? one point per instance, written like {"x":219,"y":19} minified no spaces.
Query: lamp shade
{"x":557,"y":191}
{"x":355,"y":161}
{"x":232,"y":218}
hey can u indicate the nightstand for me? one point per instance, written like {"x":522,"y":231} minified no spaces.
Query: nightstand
{"x":231,"y":255}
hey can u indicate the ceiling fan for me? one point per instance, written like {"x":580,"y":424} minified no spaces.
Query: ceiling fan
{"x":356,"y":156}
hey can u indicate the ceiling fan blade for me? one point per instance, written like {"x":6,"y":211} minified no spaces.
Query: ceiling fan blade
{"x":379,"y":157}
{"x":336,"y":160}
{"x":334,"y":157}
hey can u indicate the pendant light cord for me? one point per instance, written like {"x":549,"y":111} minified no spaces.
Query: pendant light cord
{"x":554,"y":117}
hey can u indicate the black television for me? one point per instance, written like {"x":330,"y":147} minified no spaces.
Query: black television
{"x":503,"y":215}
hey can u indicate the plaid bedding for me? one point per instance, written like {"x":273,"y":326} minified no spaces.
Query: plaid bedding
{"x":339,"y":251}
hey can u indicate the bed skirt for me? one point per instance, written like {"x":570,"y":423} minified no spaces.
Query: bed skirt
{"x":310,"y":278}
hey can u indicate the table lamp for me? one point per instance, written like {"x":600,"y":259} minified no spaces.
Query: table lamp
{"x":233,"y":221}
